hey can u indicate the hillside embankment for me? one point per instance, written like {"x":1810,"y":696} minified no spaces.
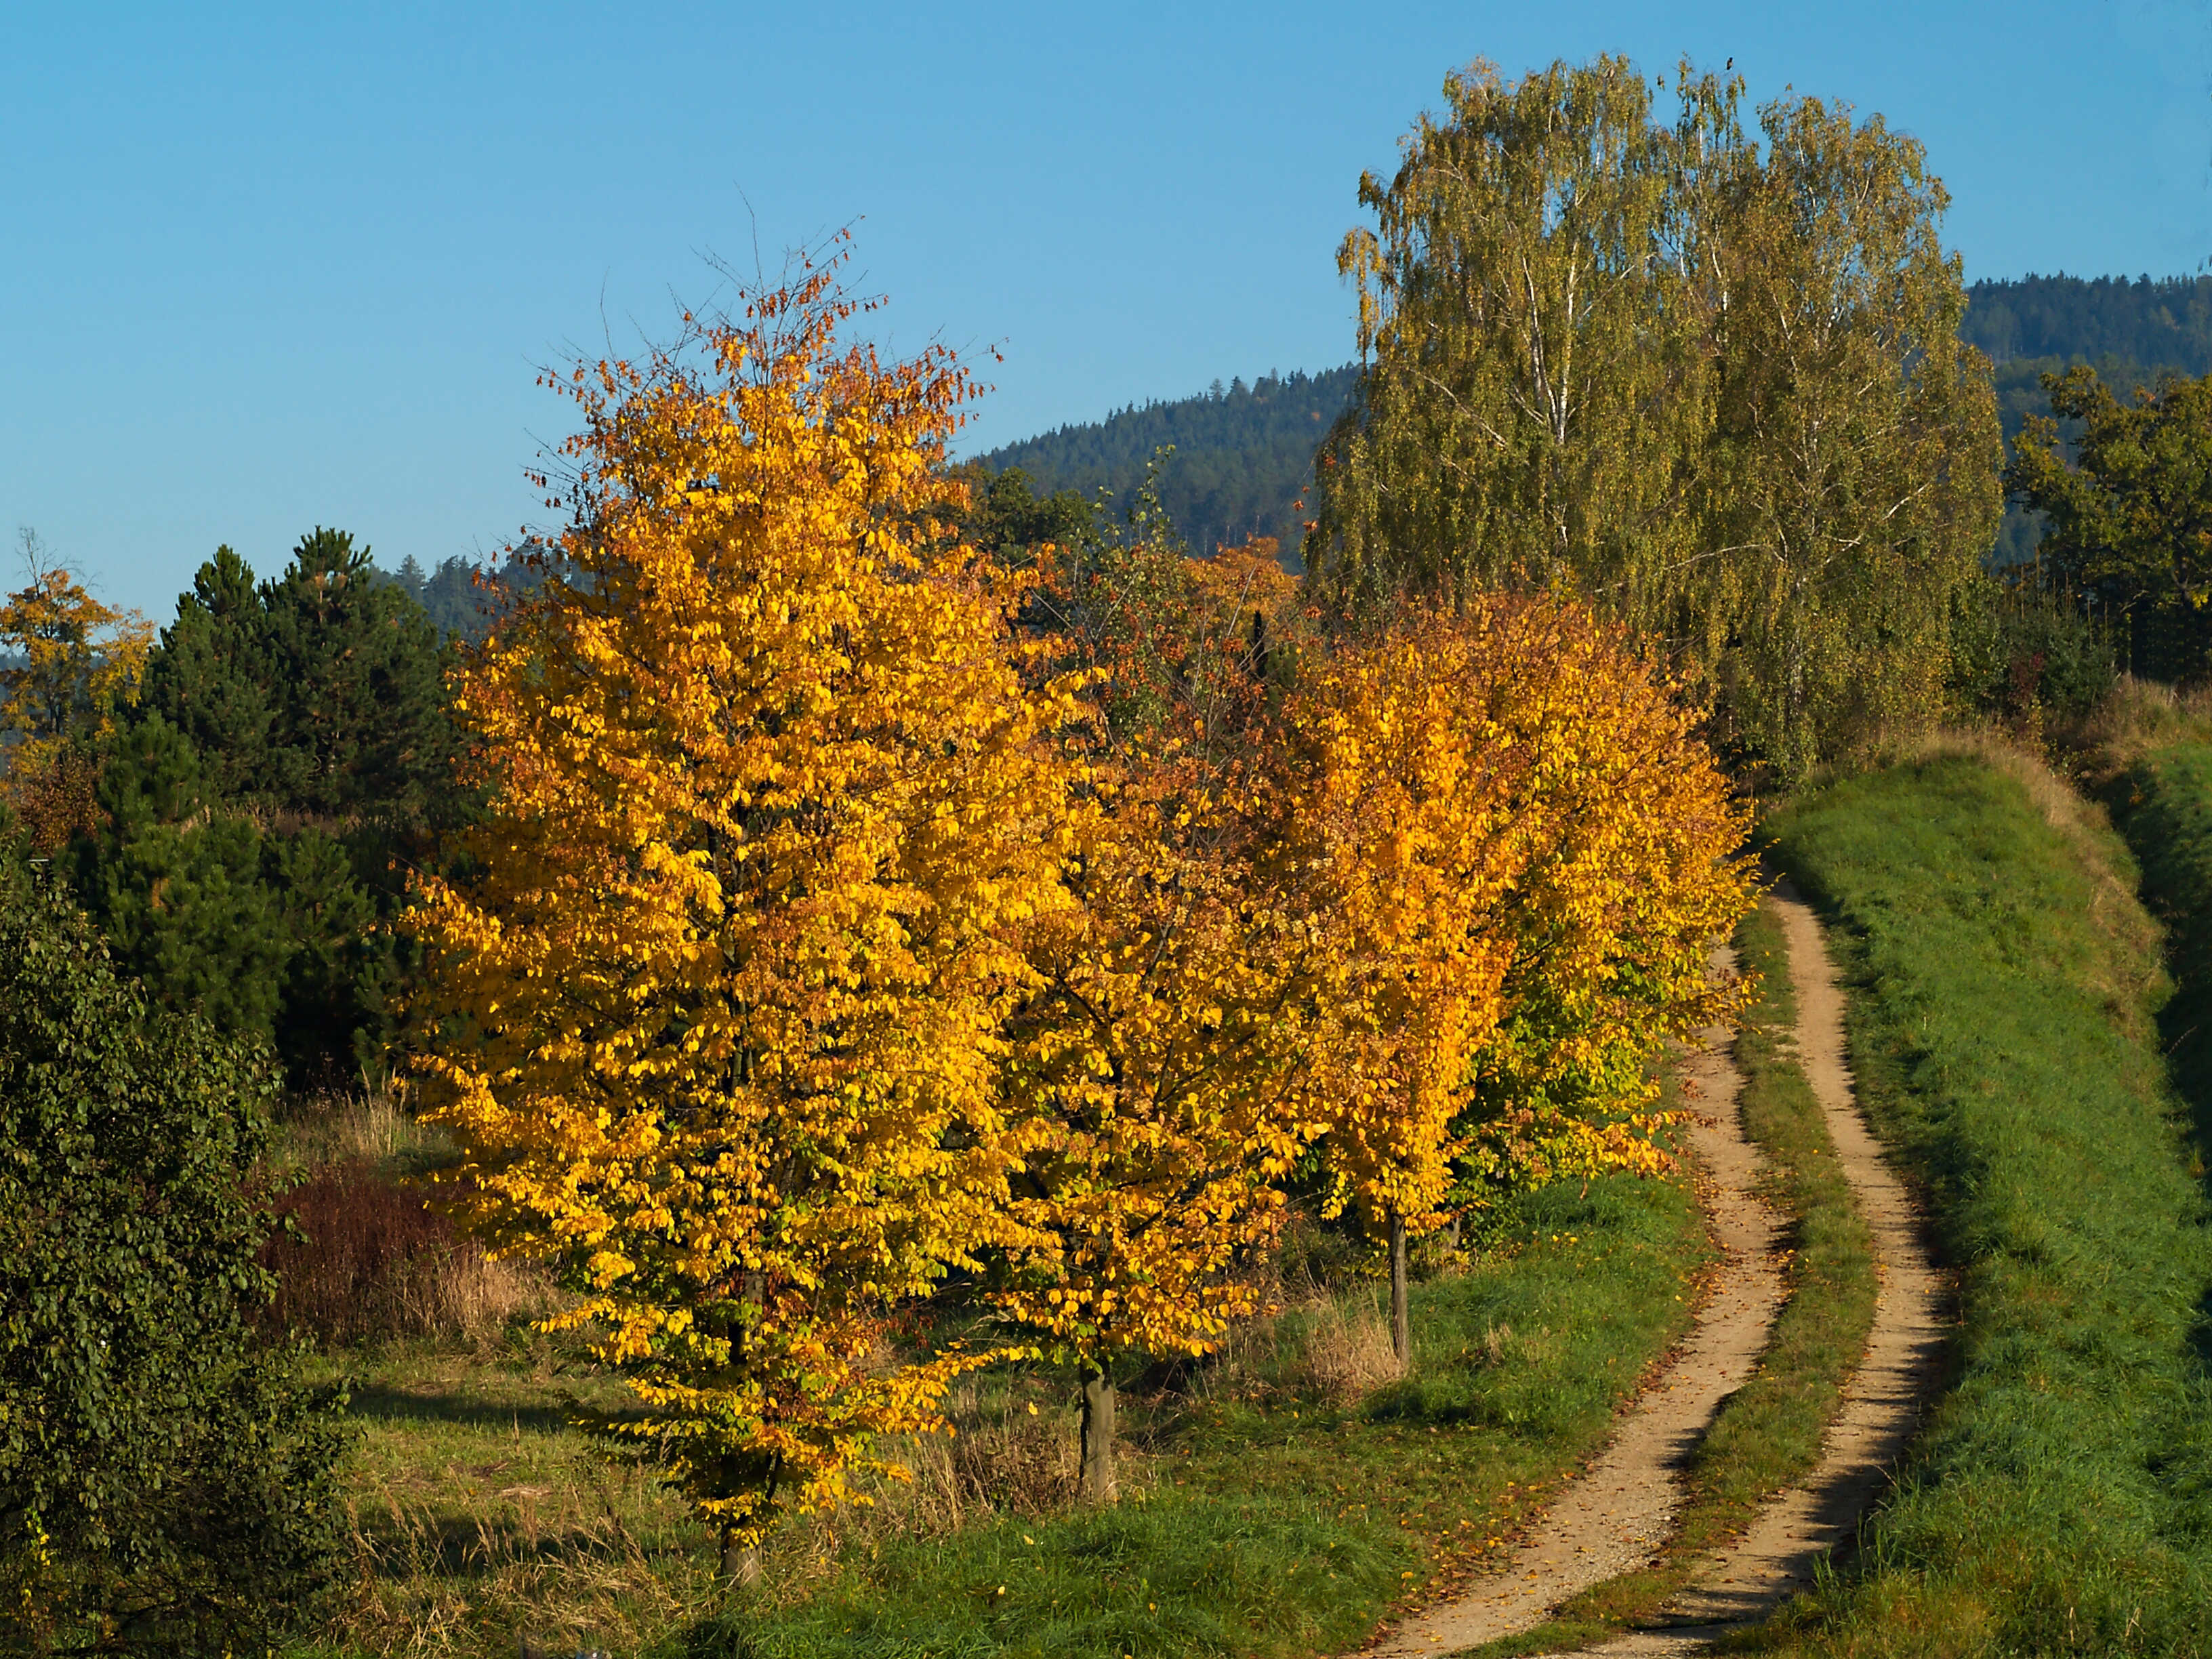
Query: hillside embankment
{"x":2004,"y":998}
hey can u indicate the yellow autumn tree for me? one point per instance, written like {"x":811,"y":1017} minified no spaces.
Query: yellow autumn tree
{"x":1643,"y":867}
{"x":1516,"y":855}
{"x":1406,"y":812}
{"x":1154,"y":1072}
{"x":718,"y":1010}
{"x":76,"y":663}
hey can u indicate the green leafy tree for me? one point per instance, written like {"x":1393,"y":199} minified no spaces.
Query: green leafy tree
{"x":2130,"y":516}
{"x":1849,"y":484}
{"x":1007,"y":518}
{"x":166,"y":1485}
{"x":1528,"y":387}
{"x":1713,"y":387}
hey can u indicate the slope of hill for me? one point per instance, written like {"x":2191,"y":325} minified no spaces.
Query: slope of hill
{"x":1242,"y":455}
{"x":1245,"y":454}
{"x":2162,"y":323}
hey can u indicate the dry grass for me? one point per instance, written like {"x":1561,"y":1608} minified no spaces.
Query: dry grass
{"x":1006,"y":1455}
{"x":372,"y":1260}
{"x":350,"y":1128}
{"x":1347,"y":1352}
{"x":558,"y":1568}
{"x":2139,"y":716}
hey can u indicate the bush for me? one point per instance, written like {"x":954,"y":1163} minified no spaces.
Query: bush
{"x":365,"y":1259}
{"x":2017,"y":651}
{"x":165,"y":1485}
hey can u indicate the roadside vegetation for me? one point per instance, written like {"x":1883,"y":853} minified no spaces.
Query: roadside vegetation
{"x":2004,"y":988}
{"x":1277,"y":1499}
{"x":1768,"y":1434}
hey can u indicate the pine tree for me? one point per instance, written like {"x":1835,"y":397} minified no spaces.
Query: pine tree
{"x":361,"y":731}
{"x":212,"y":679}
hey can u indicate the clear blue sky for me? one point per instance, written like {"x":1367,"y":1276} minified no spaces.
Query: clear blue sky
{"x":265,"y":268}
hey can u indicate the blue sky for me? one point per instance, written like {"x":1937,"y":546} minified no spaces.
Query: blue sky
{"x":267,"y":268}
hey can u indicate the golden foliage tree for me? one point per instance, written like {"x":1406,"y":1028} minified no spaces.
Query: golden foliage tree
{"x":78,"y":663}
{"x":718,"y":1013}
{"x":1518,"y":855}
{"x":1640,"y":868}
{"x":1153,"y":1071}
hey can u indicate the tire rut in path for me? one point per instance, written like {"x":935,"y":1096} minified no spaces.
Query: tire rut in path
{"x":1616,"y":1517}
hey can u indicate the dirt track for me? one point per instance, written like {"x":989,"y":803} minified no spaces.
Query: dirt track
{"x":1616,"y":1517}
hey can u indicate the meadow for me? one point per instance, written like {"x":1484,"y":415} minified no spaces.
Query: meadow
{"x":1278,"y":1499}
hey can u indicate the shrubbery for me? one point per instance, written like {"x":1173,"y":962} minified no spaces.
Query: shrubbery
{"x":165,"y":1484}
{"x":2017,"y":652}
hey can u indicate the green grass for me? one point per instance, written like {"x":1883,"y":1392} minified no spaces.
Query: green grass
{"x":2162,"y":803}
{"x":1767,"y":1434}
{"x":1273,"y":1523}
{"x":1259,"y":1516}
{"x":2003,"y":990}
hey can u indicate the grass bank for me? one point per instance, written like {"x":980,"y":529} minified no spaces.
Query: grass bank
{"x":2003,"y":988}
{"x":1276,"y":1503}
{"x":1767,"y":1435}
{"x":2162,"y":802}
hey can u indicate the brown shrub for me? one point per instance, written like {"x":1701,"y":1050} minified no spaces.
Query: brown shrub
{"x":371,"y":1260}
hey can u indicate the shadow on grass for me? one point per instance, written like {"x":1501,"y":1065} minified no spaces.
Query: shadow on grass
{"x":390,"y":1405}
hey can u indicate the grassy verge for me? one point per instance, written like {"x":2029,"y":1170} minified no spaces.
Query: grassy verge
{"x":1767,"y":1436}
{"x":2003,"y":986}
{"x":2162,"y":803}
{"x":1271,"y":1507}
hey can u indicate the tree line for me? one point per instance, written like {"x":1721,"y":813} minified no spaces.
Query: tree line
{"x":1242,"y":455}
{"x":861,"y":919}
{"x":857,"y":920}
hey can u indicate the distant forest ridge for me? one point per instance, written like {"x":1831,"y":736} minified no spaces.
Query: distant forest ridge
{"x":2158,"y":323}
{"x":1244,"y":454}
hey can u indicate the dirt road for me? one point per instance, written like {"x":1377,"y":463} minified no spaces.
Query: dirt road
{"x":1618,"y":1516}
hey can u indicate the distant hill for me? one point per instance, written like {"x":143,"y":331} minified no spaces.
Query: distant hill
{"x":2129,"y":331}
{"x":2165,"y":323}
{"x":1243,"y":454}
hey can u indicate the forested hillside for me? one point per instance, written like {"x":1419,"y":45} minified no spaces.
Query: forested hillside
{"x":2165,"y":323}
{"x":1241,"y":457}
{"x":1243,"y":454}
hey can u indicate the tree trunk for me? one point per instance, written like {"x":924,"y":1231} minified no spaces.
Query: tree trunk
{"x":1401,"y":1318}
{"x":740,"y":1561}
{"x":1097,"y":1486}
